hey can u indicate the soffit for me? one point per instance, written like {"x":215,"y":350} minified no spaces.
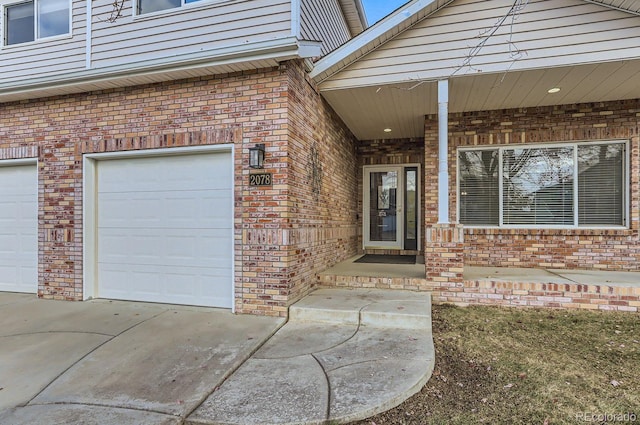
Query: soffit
{"x":354,"y":14}
{"x":384,"y":101}
{"x":632,"y":6}
{"x":402,"y":107}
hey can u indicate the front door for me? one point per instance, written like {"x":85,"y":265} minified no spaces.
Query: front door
{"x":391,"y":207}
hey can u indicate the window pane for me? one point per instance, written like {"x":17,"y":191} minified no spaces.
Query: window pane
{"x":382,"y":212}
{"x":20,"y":26}
{"x":538,"y":186}
{"x":148,"y":6}
{"x":479,"y":187}
{"x":601,"y":184}
{"x":53,"y":17}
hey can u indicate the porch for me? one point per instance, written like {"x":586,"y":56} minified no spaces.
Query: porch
{"x":528,"y":287}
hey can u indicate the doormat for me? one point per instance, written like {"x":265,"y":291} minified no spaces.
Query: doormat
{"x":387,"y":259}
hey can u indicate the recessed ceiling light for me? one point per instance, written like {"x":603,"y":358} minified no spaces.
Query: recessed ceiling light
{"x":553,"y":90}
{"x":387,"y":130}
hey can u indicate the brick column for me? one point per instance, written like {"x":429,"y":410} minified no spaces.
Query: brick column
{"x":444,"y":254}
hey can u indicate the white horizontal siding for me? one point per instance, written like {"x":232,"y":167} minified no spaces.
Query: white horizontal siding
{"x":201,"y":26}
{"x":546,"y":33}
{"x":47,"y":56}
{"x":322,"y":20}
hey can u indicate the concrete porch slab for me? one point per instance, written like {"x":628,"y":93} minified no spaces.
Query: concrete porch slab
{"x":349,"y":268}
{"x":607,"y":278}
{"x":514,"y":274}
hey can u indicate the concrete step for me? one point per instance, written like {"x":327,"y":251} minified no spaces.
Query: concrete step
{"x":367,"y":307}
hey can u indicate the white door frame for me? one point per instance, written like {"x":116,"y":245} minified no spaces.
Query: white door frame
{"x":366,"y":187}
{"x":400,"y":202}
{"x":90,"y":284}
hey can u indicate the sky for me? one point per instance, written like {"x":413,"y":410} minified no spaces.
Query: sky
{"x":378,"y":9}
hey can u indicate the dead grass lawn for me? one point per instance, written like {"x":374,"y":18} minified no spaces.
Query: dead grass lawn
{"x":505,"y":366}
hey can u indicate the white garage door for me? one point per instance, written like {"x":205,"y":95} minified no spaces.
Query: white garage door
{"x":19,"y":228}
{"x":164,"y":229}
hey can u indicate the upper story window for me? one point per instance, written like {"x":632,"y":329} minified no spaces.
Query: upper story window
{"x":564,"y":185}
{"x":33,"y":20}
{"x":148,"y":6}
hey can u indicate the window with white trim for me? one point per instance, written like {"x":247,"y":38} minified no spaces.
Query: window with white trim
{"x":149,"y":6}
{"x":36,"y":19}
{"x":560,"y":185}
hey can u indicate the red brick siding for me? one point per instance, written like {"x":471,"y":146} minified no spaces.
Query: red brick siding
{"x":243,"y":108}
{"x":547,"y":295}
{"x":581,"y":248}
{"x":284,"y":234}
{"x":322,"y":185}
{"x":508,"y":294}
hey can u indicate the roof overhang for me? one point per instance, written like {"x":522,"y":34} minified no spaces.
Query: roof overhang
{"x":367,"y":111}
{"x":355,"y":16}
{"x":371,"y":101}
{"x":224,"y":60}
{"x":376,"y":35}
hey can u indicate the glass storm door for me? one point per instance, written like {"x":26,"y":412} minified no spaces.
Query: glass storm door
{"x":383,"y":207}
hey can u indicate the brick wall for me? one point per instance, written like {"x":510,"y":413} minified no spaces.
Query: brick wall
{"x":242,"y":108}
{"x":580,"y":248}
{"x":322,"y":185}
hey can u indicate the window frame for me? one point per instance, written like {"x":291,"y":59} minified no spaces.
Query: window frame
{"x":574,"y":145}
{"x":183,"y":6}
{"x":36,"y":39}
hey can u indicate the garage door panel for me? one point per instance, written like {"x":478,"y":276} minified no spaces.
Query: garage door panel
{"x":186,"y":209}
{"x":29,"y":273}
{"x":158,"y":174}
{"x":18,"y":180}
{"x":8,"y":244}
{"x":190,"y":247}
{"x":179,"y":285}
{"x":165,"y":229}
{"x":9,"y":210}
{"x":18,"y":228}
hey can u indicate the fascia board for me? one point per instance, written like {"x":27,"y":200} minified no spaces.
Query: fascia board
{"x":280,"y":49}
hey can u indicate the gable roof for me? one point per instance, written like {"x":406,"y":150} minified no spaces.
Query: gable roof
{"x":402,"y":19}
{"x":386,"y":77}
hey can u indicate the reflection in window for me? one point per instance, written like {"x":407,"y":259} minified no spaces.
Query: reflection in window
{"x":382,"y":212}
{"x":581,"y":184}
{"x":538,"y":186}
{"x":479,"y":187}
{"x":19,"y":23}
{"x":52,"y":18}
{"x":149,"y":6}
{"x":601,"y":184}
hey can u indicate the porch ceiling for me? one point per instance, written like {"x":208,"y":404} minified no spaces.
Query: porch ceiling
{"x":367,"y":111}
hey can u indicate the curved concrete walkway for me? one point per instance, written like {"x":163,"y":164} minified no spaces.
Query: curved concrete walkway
{"x":113,"y":362}
{"x":344,"y":355}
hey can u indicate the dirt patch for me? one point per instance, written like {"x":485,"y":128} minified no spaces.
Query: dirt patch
{"x":504,"y":366}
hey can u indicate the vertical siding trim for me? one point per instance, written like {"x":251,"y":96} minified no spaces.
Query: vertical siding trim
{"x":295,"y":17}
{"x":88,"y":36}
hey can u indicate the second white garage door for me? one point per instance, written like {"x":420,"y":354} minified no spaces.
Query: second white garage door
{"x":164,"y":229}
{"x":19,"y":228}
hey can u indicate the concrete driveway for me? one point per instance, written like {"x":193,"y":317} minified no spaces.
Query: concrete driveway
{"x":104,"y":362}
